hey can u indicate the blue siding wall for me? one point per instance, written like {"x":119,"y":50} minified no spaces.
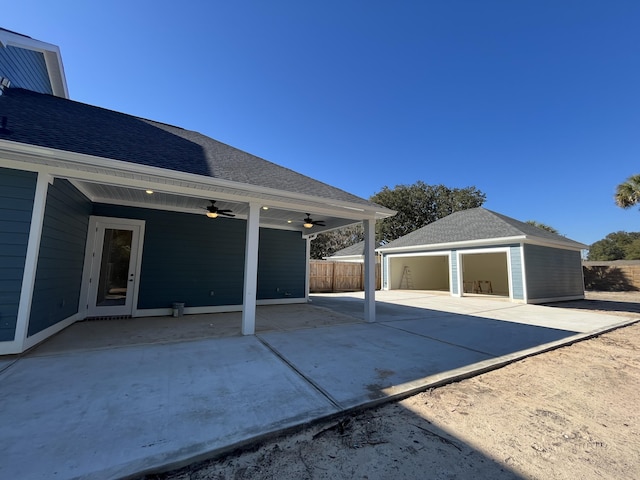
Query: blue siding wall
{"x":186,"y":257}
{"x":58,"y":281}
{"x":17,"y":191}
{"x":281,"y":264}
{"x":454,"y":273}
{"x":25,"y":68}
{"x":517,"y":278}
{"x":385,"y":271}
{"x":553,"y":272}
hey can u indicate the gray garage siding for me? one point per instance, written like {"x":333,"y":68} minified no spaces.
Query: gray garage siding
{"x":553,"y":272}
{"x":58,"y":280}
{"x":17,"y":192}
{"x":455,"y":273}
{"x":517,"y":278}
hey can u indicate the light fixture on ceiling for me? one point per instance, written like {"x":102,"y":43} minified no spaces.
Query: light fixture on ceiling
{"x":309,"y":222}
{"x":149,"y":191}
{"x":213,"y":211}
{"x":265,"y":208}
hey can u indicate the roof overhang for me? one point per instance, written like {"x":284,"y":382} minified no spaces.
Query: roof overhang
{"x":486,"y":242}
{"x":105,"y":180}
{"x":52,"y":57}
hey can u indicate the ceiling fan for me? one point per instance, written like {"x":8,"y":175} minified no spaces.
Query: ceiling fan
{"x":213,"y":211}
{"x":309,"y":222}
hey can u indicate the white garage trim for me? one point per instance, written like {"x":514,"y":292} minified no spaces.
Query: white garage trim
{"x":525,"y":290}
{"x":389,"y":257}
{"x":477,"y":251}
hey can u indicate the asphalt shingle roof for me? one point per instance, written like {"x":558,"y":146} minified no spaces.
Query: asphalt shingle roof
{"x":49,"y":121}
{"x":357,"y":249}
{"x":476,"y":224}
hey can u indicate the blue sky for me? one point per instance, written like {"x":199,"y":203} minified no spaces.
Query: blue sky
{"x":534,"y":102}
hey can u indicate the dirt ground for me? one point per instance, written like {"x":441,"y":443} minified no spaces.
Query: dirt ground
{"x":565,"y":414}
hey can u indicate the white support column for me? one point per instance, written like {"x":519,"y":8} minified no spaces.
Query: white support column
{"x":31,"y":261}
{"x":251,"y":270}
{"x":369,"y":270}
{"x":307,"y":271}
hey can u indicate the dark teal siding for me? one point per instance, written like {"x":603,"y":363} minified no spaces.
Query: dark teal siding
{"x":58,"y":280}
{"x":186,"y":257}
{"x":17,"y":191}
{"x":25,"y":68}
{"x":281,"y":264}
{"x":553,"y":272}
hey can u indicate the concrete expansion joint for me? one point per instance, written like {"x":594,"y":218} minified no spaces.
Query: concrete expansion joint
{"x":298,"y":372}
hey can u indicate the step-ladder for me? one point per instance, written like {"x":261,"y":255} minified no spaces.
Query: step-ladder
{"x":406,"y":282}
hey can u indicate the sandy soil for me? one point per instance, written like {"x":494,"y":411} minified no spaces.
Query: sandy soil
{"x":565,"y":414}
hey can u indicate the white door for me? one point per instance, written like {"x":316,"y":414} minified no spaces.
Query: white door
{"x":112,"y":266}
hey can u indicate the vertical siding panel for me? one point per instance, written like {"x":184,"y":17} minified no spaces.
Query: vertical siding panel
{"x":17,"y":192}
{"x":454,"y":272}
{"x":517,"y":277}
{"x":58,"y":279}
{"x":385,"y":263}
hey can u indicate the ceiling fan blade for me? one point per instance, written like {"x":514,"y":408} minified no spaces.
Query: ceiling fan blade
{"x":222,"y":212}
{"x":319,"y":223}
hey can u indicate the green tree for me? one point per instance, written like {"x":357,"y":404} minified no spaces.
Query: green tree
{"x":326,"y":244}
{"x":420,"y":204}
{"x":628,"y":193}
{"x":542,"y":226}
{"x":616,"y":246}
{"x":417,"y":205}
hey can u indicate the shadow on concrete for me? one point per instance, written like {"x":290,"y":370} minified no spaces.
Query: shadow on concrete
{"x":598,"y":305}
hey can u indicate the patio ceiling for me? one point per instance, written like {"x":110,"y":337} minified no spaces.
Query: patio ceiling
{"x":270,"y":216}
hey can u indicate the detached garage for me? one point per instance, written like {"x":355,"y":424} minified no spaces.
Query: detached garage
{"x":480,"y":252}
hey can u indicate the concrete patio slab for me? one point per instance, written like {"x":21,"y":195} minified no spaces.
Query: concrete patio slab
{"x":97,"y":334}
{"x":566,"y":319}
{"x":111,"y":413}
{"x":357,"y":364}
{"x":492,"y":337}
{"x":116,"y":400}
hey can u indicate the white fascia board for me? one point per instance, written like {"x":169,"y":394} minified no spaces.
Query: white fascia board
{"x":79,"y":166}
{"x":52,"y":57}
{"x":543,"y":242}
{"x":484,"y":243}
{"x":346,"y":258}
{"x":452,"y":245}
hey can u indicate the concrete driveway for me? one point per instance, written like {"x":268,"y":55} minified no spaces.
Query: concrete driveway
{"x":113,"y":410}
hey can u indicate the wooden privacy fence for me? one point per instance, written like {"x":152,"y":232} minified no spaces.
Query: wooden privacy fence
{"x":325,"y":276}
{"x":618,"y":275}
